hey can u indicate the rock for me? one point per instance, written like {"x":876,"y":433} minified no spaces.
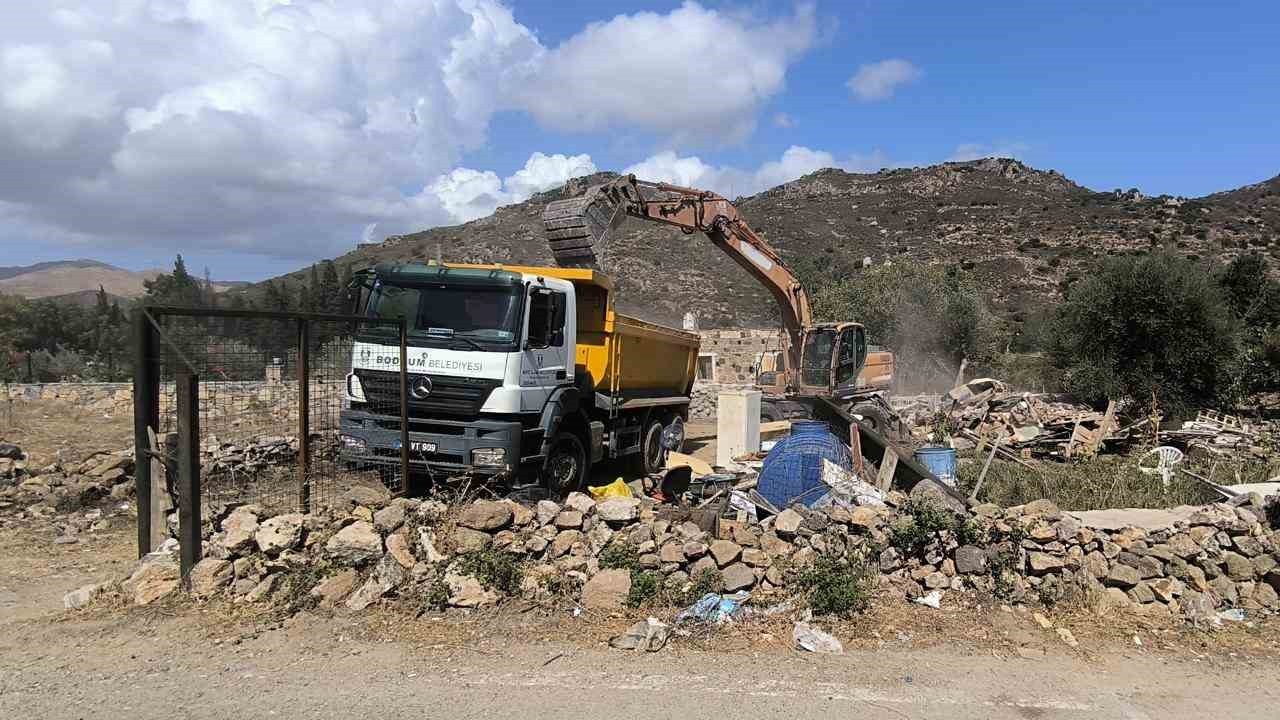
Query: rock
{"x":937,"y":580}
{"x":1095,"y":563}
{"x":114,"y":462}
{"x":398,"y":548}
{"x":1122,"y":576}
{"x":1150,"y":567}
{"x":788,"y":522}
{"x":1142,"y":593}
{"x":390,"y":518}
{"x":890,"y":560}
{"x":970,"y":560}
{"x":367,"y":496}
{"x":702,"y":566}
{"x":155,"y":576}
{"x":580,"y":502}
{"x":755,"y":557}
{"x":649,"y":561}
{"x":725,"y":552}
{"x":564,"y":542}
{"x":1066,"y":637}
{"x":263,"y":589}
{"x":694,"y":550}
{"x":209,"y":576}
{"x":1166,"y":589}
{"x":1042,"y":563}
{"x":280,"y":533}
{"x":864,"y":517}
{"x":1266,"y":596}
{"x":1224,"y":589}
{"x":467,"y":592}
{"x":1248,"y":546}
{"x":569,"y":520}
{"x":427,"y":546}
{"x":238,"y":531}
{"x":1238,"y":566}
{"x":546,"y":511}
{"x":671,"y":552}
{"x":466,"y":540}
{"x":1264,"y":564}
{"x":774,"y":545}
{"x":355,"y":544}
{"x":520,"y":514}
{"x":80,"y":597}
{"x":9,"y":451}
{"x":334,"y":588}
{"x":928,"y":491}
{"x":607,"y":590}
{"x":387,"y":575}
{"x":738,"y":577}
{"x":618,"y":510}
{"x":1183,"y":546}
{"x":487,"y":515}
{"x":1042,"y":508}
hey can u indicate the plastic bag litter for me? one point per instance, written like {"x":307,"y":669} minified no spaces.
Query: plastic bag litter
{"x":713,"y":608}
{"x":808,"y":637}
{"x":649,"y":635}
{"x":615,"y":489}
{"x":848,"y":488}
{"x":739,"y":500}
{"x":933,"y":599}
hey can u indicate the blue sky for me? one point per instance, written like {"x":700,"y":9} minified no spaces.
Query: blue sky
{"x":284,"y":136}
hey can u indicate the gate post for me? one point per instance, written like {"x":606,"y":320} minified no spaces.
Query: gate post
{"x":304,"y":415}
{"x":146,"y":418}
{"x":404,"y":406}
{"x":189,"y":535}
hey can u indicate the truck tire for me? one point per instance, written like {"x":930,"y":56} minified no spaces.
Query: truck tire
{"x":565,"y":470}
{"x":651,"y":458}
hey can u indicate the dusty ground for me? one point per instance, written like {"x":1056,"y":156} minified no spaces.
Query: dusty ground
{"x":964,"y":661}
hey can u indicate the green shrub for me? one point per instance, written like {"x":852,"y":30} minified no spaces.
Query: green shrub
{"x":494,"y":569}
{"x":619,"y":555}
{"x":838,"y":586}
{"x":644,"y":588}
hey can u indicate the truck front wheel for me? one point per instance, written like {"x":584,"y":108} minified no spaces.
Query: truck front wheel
{"x":566,"y":467}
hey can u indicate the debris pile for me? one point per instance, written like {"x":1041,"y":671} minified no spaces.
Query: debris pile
{"x":76,"y":496}
{"x":631,"y":552}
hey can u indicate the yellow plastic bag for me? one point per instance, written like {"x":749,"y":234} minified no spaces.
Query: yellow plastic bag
{"x":615,"y":489}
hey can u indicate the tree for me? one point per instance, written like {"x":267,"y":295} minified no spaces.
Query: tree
{"x":177,"y":289}
{"x":331,"y":289}
{"x":1145,"y":327}
{"x":933,"y":317}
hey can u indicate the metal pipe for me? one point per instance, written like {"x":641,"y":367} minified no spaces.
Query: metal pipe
{"x":188,"y":390}
{"x":304,"y":415}
{"x":146,"y":419}
{"x":404,"y":406}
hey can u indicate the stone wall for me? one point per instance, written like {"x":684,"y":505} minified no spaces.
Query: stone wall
{"x":218,"y":399}
{"x":738,"y":352}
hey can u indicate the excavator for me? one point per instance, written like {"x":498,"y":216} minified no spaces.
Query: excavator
{"x":821,"y":360}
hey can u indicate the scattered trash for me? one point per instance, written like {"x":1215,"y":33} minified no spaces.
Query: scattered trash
{"x":810,"y":638}
{"x":1232,"y":615}
{"x":847,"y":488}
{"x":649,"y":635}
{"x":616,"y":489}
{"x":933,"y":599}
{"x":713,"y":609}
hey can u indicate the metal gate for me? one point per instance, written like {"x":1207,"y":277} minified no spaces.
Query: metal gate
{"x":239,"y":406}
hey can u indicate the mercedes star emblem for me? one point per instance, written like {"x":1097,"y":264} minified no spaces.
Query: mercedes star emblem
{"x":420,"y":387}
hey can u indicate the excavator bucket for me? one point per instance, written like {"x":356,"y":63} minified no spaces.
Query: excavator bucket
{"x":576,"y":228}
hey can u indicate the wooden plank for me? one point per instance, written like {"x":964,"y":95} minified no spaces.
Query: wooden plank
{"x":888,"y":466}
{"x":161,"y":503}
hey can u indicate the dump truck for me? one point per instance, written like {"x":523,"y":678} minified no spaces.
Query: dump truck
{"x":828,"y":360}
{"x":527,"y":374}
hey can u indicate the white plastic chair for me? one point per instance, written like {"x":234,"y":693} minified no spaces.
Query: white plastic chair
{"x":1160,"y":461}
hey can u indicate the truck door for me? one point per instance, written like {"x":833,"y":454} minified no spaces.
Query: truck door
{"x":545,"y":362}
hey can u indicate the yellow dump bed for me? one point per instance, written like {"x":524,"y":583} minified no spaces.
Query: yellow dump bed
{"x":625,"y":357}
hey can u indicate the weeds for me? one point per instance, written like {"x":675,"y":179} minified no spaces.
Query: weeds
{"x":644,"y":588}
{"x":561,"y":586}
{"x":619,"y":555}
{"x":921,"y":520}
{"x":494,"y":569}
{"x":838,"y":586}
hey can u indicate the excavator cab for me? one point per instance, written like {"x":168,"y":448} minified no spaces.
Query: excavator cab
{"x":832,"y":359}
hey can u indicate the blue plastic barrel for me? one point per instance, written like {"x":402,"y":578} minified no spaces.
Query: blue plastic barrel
{"x":792,"y":471}
{"x":941,"y":461}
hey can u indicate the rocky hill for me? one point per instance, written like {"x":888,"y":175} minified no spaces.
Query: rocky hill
{"x":77,"y":281}
{"x":1028,"y":233}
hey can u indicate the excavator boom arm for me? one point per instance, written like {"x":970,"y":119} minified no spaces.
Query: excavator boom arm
{"x":577,"y":228}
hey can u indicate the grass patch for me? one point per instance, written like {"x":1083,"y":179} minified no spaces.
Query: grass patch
{"x":494,"y":569}
{"x":1108,"y":481}
{"x":839,"y":586}
{"x":619,"y":555}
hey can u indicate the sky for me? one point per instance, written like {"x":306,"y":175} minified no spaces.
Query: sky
{"x":258,"y":136}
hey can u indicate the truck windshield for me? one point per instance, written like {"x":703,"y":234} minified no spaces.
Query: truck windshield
{"x":475,"y":313}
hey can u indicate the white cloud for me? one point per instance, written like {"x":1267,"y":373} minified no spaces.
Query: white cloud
{"x":783,"y":120}
{"x":878,"y":81}
{"x":287,"y":127}
{"x":976,"y":151}
{"x":695,"y":74}
{"x":469,"y":194}
{"x":795,"y":162}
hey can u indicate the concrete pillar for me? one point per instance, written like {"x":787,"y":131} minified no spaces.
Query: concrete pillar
{"x":737,"y":424}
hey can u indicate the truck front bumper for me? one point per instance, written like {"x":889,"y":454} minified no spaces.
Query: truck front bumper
{"x":449,"y":447}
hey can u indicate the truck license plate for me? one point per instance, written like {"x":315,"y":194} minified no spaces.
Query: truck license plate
{"x":423,"y":447}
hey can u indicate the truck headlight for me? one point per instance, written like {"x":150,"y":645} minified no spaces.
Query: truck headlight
{"x":350,"y":442}
{"x":489,"y":456}
{"x":355,"y":391}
